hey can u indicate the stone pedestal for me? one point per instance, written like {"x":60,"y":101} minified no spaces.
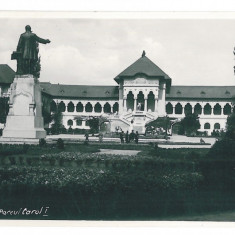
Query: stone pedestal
{"x":25,"y":119}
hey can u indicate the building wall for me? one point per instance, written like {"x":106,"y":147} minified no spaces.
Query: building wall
{"x":213,"y":119}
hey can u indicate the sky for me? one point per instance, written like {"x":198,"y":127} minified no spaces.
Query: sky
{"x":95,"y":51}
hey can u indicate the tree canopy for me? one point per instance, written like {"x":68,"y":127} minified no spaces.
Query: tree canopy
{"x":191,"y":123}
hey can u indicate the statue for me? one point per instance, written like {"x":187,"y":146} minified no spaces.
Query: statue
{"x":26,"y":54}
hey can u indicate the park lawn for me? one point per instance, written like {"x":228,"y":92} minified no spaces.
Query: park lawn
{"x":78,"y":183}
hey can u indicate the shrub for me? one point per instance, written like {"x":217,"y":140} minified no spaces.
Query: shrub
{"x":42,"y":143}
{"x":60,"y":144}
{"x":25,"y":148}
{"x":223,"y":149}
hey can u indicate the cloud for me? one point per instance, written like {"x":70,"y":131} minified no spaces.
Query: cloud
{"x":93,"y":51}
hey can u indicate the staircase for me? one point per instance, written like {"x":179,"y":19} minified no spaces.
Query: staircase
{"x":138,"y":120}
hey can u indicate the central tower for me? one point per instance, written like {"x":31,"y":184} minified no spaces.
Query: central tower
{"x":142,"y":89}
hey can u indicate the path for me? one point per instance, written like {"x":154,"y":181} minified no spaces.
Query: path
{"x":119,"y":152}
{"x":162,"y":142}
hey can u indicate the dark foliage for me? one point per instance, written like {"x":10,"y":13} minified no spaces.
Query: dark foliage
{"x":60,"y":144}
{"x":42,"y":143}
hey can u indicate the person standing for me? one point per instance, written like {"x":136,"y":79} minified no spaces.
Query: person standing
{"x":127,"y":137}
{"x":86,"y":136}
{"x":132,"y":136}
{"x":122,"y":137}
{"x":101,"y":137}
{"x":136,"y":137}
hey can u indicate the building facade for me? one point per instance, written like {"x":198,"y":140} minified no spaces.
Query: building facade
{"x":142,"y":94}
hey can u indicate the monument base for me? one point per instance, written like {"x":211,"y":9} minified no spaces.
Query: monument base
{"x":24,"y":119}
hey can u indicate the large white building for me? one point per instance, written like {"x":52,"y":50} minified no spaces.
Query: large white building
{"x":143,"y":93}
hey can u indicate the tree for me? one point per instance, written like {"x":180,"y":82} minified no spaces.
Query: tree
{"x":191,"y":123}
{"x":160,"y":122}
{"x":4,"y":108}
{"x":230,"y":126}
{"x":57,"y":125}
{"x":95,"y":123}
{"x":47,"y":117}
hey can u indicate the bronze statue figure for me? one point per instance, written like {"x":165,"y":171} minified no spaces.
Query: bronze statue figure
{"x":26,"y":54}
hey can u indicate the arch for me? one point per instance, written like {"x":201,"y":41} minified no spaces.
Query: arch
{"x":107,"y":108}
{"x":79,"y":107}
{"x":227,"y":109}
{"x":198,"y":109}
{"x":169,"y":108}
{"x":70,"y":107}
{"x":188,"y":109}
{"x":53,"y":106}
{"x":207,"y":126}
{"x":79,"y":122}
{"x":115,"y":107}
{"x":178,"y":108}
{"x":217,"y":109}
{"x":140,"y":100}
{"x":207,"y":109}
{"x":217,"y":126}
{"x":70,"y":122}
{"x":98,"y":108}
{"x":61,"y":106}
{"x":151,"y":101}
{"x":130,"y":101}
{"x":88,"y":107}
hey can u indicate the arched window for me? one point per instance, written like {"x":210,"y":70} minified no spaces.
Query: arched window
{"x":107,"y":108}
{"x":70,"y":107}
{"x":98,"y":108}
{"x":217,"y":126}
{"x":169,"y":108}
{"x":130,"y":101}
{"x":198,"y":109}
{"x":151,"y":102}
{"x":188,"y":109}
{"x":217,"y":109}
{"x":79,"y":122}
{"x":79,"y":107}
{"x":61,"y":107}
{"x":88,"y":107}
{"x":115,"y":107}
{"x":53,"y":106}
{"x":140,"y":100}
{"x":227,"y":109}
{"x":178,"y":109}
{"x":207,"y":109}
{"x":207,"y":126}
{"x":70,"y":122}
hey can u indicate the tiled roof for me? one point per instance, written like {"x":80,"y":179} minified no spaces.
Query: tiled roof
{"x":142,"y":66}
{"x":80,"y":91}
{"x":203,"y":92}
{"x":104,"y":92}
{"x":7,"y":74}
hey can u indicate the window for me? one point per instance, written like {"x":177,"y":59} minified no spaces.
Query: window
{"x":70,"y":122}
{"x":207,"y":126}
{"x":207,"y":109}
{"x":227,"y":109}
{"x":217,"y":109}
{"x":79,"y":122}
{"x":178,"y":109}
{"x":88,"y":107}
{"x":169,"y":108}
{"x":217,"y":126}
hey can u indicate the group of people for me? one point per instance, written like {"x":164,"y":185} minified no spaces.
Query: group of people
{"x":129,"y":138}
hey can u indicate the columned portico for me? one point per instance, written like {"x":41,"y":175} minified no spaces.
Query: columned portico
{"x":142,"y":86}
